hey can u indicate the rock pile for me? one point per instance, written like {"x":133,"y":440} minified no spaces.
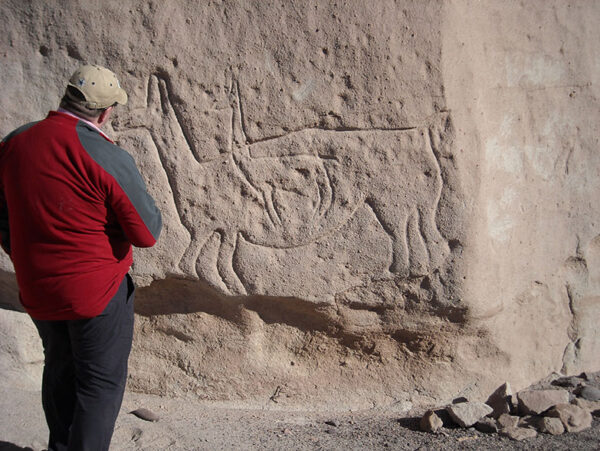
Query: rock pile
{"x":567,"y":405}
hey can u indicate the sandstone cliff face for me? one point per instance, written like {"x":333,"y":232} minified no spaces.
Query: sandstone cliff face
{"x":533,"y":83}
{"x":364,"y":206}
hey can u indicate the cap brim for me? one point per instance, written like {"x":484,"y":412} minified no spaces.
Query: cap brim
{"x":122,"y":97}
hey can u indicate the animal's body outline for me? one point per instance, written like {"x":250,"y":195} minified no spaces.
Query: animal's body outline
{"x":211,"y":214}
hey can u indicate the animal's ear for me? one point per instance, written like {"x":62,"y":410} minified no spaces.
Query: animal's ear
{"x":153,"y":96}
{"x":238,"y":126}
{"x":157,"y":103}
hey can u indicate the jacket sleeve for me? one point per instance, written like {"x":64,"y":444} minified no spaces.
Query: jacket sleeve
{"x":125,"y":190}
{"x":4,"y":230}
{"x":134,"y":208}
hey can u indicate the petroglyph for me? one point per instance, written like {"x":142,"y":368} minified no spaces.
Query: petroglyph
{"x":290,"y":191}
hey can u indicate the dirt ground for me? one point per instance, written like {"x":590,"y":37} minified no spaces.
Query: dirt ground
{"x":193,"y":425}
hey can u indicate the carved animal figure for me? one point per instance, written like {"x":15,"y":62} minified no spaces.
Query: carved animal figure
{"x":294,"y":189}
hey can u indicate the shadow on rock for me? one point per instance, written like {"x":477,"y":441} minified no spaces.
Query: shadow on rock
{"x":411,"y":423}
{"x":176,"y":296}
{"x":9,"y":293}
{"x":6,"y":446}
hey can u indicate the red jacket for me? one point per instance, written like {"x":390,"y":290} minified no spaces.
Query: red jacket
{"x":71,"y":205}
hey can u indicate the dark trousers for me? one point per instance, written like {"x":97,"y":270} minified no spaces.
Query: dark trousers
{"x":85,"y":371}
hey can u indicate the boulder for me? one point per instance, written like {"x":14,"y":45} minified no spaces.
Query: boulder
{"x":590,"y":406}
{"x":500,"y":400}
{"x":537,"y":401}
{"x":573,"y":417}
{"x":517,"y":433}
{"x":506,"y":421}
{"x":589,"y":393}
{"x":466,"y":414}
{"x":550,"y":425}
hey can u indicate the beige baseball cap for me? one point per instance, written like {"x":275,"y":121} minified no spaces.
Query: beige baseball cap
{"x":99,"y":86}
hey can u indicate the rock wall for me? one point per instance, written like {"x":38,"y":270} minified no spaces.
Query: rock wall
{"x":364,"y":206}
{"x":530,"y":120}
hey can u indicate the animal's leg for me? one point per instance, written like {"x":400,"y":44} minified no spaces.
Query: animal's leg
{"x":418,"y":255}
{"x":206,"y":263}
{"x":188,"y":262}
{"x":400,"y":252}
{"x":394,"y":222}
{"x":225,"y":264}
{"x":437,"y":246}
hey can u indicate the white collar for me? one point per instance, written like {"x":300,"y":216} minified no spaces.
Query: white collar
{"x":62,"y":110}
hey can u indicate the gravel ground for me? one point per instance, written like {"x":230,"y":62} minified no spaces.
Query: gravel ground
{"x":191,"y":425}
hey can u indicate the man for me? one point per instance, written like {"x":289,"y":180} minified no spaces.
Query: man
{"x":71,"y":205}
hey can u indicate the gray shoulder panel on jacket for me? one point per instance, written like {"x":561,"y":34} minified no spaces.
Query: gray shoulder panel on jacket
{"x":21,"y":129}
{"x":118,"y":163}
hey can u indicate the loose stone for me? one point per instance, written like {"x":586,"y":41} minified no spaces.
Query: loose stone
{"x":430,"y":422}
{"x":145,"y":414}
{"x":517,"y":433}
{"x":590,"y":393}
{"x":507,"y":421}
{"x":591,"y":406}
{"x":500,"y":400}
{"x":574,"y":418}
{"x":535,"y":402}
{"x":466,"y":414}
{"x":549,"y":425}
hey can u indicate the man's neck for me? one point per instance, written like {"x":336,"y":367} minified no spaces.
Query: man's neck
{"x":87,"y":121}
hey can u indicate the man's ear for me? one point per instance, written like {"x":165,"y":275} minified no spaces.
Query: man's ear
{"x":104,"y":116}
